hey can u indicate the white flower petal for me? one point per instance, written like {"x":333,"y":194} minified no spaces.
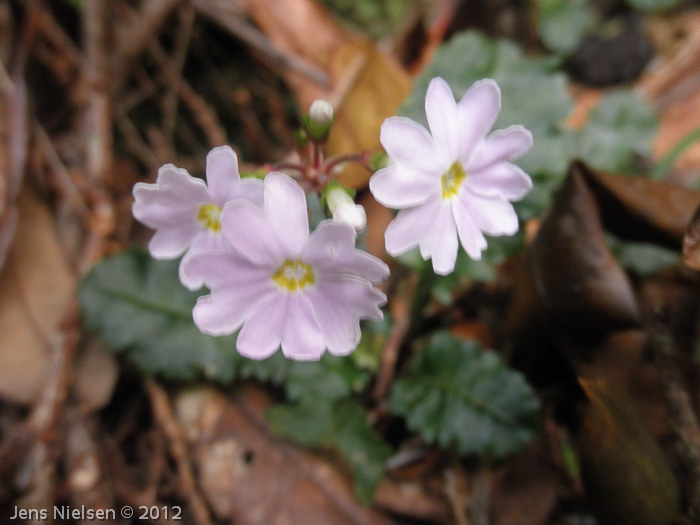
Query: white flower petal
{"x":223,"y":177}
{"x":505,"y":144}
{"x":396,"y":188}
{"x":473,"y":241}
{"x":171,"y":242}
{"x":302,"y":338}
{"x":222,"y":268}
{"x":339,"y":305}
{"x":205,"y":241}
{"x":261,"y":334}
{"x":179,"y":183}
{"x":476,"y":114}
{"x":222,"y":312}
{"x":441,"y":110}
{"x":247,"y":229}
{"x":492,"y":215}
{"x":331,"y":251}
{"x":285,"y":207}
{"x":441,"y":243}
{"x":252,"y":190}
{"x":410,"y":147}
{"x":410,"y":226}
{"x":161,"y":214}
{"x":500,"y":179}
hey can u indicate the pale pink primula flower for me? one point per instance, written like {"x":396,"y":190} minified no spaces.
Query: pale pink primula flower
{"x":185,"y":210}
{"x":285,"y":287}
{"x":457,"y":182}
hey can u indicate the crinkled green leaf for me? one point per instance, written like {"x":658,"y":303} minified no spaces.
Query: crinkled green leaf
{"x":620,"y":127}
{"x":330,"y":378}
{"x":369,"y":351}
{"x":343,"y":425}
{"x":640,"y":258}
{"x":137,"y":306}
{"x":274,"y":369}
{"x":653,"y":5}
{"x":562,"y":24}
{"x":456,"y":395}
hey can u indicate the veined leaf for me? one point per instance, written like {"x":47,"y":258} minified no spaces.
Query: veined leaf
{"x":138,"y":307}
{"x":457,"y":395}
{"x":620,"y":127}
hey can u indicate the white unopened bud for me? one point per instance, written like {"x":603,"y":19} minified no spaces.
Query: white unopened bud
{"x":321,"y":113}
{"x":353,"y":214}
{"x":343,"y":209}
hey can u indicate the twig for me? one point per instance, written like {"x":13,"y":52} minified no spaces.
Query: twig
{"x":89,"y":485}
{"x":58,"y":52}
{"x":98,"y":125}
{"x":400,"y":310}
{"x":684,"y":421}
{"x":163,"y":414}
{"x":139,"y":34}
{"x":62,"y":179}
{"x":203,"y":113}
{"x":44,"y":422}
{"x":174,"y":69}
{"x":229,"y":16}
{"x":136,"y":144}
{"x":456,"y":499}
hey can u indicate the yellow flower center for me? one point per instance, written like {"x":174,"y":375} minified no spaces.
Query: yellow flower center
{"x":294,"y":275}
{"x":208,"y":215}
{"x":452,"y":180}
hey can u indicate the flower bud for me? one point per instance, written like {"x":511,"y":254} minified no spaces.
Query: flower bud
{"x":343,"y":208}
{"x":321,"y":113}
{"x":319,"y":120}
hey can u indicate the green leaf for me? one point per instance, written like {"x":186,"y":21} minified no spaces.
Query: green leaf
{"x":622,"y":126}
{"x":342,"y":425}
{"x":455,"y":394}
{"x":653,"y":5}
{"x":137,"y":306}
{"x":642,"y":259}
{"x":562,"y":24}
{"x":274,"y":369}
{"x":329,"y":378}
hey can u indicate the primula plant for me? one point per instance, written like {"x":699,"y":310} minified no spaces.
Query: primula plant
{"x":248,"y":240}
{"x":281,"y":295}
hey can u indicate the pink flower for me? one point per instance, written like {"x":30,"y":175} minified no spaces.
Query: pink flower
{"x":455,"y":184}
{"x":185,"y":210}
{"x":285,"y":287}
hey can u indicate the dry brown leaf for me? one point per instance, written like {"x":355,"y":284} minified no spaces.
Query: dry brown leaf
{"x":37,"y":287}
{"x":251,"y":477}
{"x":691,"y":242}
{"x":627,"y":478}
{"x":640,"y":209}
{"x":576,"y":276}
{"x":526,"y":490}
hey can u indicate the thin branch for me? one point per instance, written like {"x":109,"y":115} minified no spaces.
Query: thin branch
{"x":139,"y":34}
{"x":163,"y":414}
{"x":98,"y":132}
{"x":229,"y":16}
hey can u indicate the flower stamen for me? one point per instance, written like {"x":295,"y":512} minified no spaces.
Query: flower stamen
{"x":208,"y":215}
{"x":452,"y":180}
{"x":294,"y":275}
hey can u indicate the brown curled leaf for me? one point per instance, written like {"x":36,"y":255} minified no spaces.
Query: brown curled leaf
{"x":691,"y":242}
